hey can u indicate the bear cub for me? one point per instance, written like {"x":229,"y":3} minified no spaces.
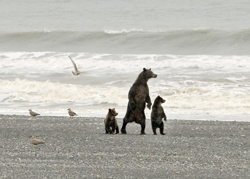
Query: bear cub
{"x":157,"y":115}
{"x":110,"y":122}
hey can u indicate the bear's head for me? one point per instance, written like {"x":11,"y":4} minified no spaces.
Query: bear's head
{"x":144,"y":76}
{"x":112,"y":112}
{"x":147,"y":73}
{"x":159,"y":100}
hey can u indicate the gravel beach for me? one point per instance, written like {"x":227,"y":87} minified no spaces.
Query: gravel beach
{"x":79,"y":148}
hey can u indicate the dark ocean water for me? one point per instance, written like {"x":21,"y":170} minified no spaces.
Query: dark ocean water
{"x":185,"y":42}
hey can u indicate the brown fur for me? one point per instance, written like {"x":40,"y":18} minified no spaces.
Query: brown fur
{"x":110,"y":122}
{"x":138,"y":96}
{"x":157,"y":115}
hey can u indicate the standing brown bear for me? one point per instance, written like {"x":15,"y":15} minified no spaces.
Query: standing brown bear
{"x":111,"y":122}
{"x":157,"y":115}
{"x":138,"y":97}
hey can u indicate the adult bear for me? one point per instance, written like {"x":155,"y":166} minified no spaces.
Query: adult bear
{"x":138,"y":96}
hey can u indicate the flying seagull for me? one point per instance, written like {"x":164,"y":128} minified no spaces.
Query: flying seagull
{"x":36,"y":141}
{"x":32,"y":113}
{"x":76,"y":70}
{"x":71,"y":113}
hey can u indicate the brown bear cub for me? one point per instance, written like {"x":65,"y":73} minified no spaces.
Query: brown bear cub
{"x":110,"y":122}
{"x":157,"y":115}
{"x":138,"y":96}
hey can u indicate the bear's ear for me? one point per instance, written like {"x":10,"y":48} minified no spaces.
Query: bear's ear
{"x":150,"y":69}
{"x":144,"y":69}
{"x":109,"y":109}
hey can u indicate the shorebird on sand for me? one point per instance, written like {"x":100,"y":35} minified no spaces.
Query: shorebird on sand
{"x":32,"y":113}
{"x":76,"y":73}
{"x":71,"y":113}
{"x":35,"y":141}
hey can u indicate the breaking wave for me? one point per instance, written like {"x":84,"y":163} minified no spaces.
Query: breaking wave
{"x":193,"y":41}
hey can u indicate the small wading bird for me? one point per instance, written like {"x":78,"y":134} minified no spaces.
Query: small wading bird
{"x":76,"y":73}
{"x":71,"y":113}
{"x":32,"y":113}
{"x":35,"y":141}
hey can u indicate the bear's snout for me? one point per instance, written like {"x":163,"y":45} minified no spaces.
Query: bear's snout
{"x":154,"y":75}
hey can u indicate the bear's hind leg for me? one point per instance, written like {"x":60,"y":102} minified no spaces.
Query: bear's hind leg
{"x":117,"y":130}
{"x":123,"y":129}
{"x":126,"y":120}
{"x":143,"y":125}
{"x":162,"y":128}
{"x":113,"y":130}
{"x":107,"y":129}
{"x":154,"y":128}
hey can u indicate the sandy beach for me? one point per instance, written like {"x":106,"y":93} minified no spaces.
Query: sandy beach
{"x":79,"y":148}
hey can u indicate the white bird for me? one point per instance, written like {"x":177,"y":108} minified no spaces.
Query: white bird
{"x":76,"y":70}
{"x":36,"y":141}
{"x":32,"y":113}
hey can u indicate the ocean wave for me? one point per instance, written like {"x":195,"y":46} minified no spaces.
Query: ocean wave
{"x":191,"y":41}
{"x":179,"y":99}
{"x":54,"y":65}
{"x":25,"y":91}
{"x":123,"y":31}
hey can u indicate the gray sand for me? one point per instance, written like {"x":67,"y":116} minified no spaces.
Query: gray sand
{"x":79,"y":148}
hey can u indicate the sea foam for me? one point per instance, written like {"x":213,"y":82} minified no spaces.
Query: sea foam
{"x":191,"y":84}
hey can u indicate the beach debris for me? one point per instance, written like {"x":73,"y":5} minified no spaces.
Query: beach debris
{"x":71,"y":113}
{"x":76,"y":73}
{"x":32,"y":113}
{"x":35,"y":141}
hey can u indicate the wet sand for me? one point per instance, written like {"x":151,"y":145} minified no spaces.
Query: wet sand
{"x":79,"y":148}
